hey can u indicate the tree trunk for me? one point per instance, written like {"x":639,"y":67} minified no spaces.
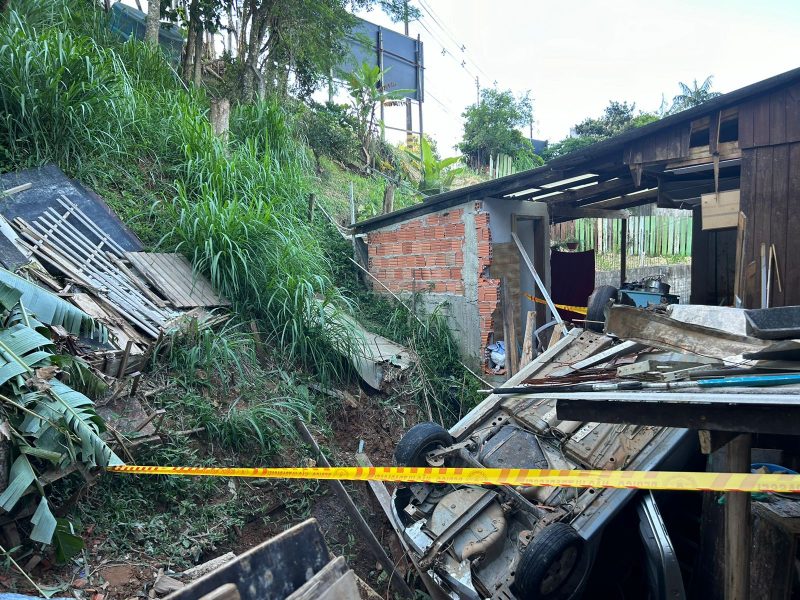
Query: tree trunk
{"x":197,"y":77}
{"x":188,"y":55}
{"x":220,"y":116}
{"x":153,"y":22}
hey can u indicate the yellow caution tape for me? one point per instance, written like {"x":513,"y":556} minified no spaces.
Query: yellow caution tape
{"x":646,"y":480}
{"x":582,"y":310}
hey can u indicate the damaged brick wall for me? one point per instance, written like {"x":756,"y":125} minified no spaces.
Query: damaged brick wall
{"x":488,"y":288}
{"x":425,"y":254}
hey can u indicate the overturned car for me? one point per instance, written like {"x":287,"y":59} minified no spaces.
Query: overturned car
{"x":527,"y":543}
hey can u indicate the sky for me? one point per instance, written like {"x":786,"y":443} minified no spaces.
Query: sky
{"x":576,"y":56}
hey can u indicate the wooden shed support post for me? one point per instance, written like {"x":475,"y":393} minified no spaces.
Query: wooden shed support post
{"x":738,"y":537}
{"x":623,"y":251}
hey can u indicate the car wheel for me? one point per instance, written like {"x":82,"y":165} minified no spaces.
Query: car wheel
{"x":548,"y":562}
{"x":418,"y":441}
{"x":596,"y":307}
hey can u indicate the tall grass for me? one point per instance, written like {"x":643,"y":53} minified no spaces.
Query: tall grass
{"x":62,"y":98}
{"x":114,"y":115}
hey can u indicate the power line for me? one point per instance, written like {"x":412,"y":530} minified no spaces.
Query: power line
{"x":461,"y":47}
{"x":446,"y":51}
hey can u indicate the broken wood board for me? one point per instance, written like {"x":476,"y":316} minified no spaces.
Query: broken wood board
{"x":654,"y":366}
{"x":720,"y":210}
{"x":173,"y":276}
{"x":647,"y":327}
{"x":121,"y":331}
{"x":57,"y":241}
{"x":270,"y":570}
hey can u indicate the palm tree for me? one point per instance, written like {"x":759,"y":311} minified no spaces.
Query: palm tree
{"x":693,"y":96}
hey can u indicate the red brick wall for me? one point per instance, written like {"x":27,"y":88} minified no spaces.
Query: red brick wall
{"x":426,"y":254}
{"x":488,"y":289}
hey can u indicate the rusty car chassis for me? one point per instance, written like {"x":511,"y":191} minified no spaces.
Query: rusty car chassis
{"x":528,"y":543}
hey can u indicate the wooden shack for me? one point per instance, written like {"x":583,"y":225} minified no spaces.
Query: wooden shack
{"x":733,"y":161}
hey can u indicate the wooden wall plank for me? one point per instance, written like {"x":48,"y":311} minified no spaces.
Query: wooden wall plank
{"x":746,"y":112}
{"x":790,"y":269}
{"x":793,"y":113}
{"x":699,"y":261}
{"x":747,"y":203}
{"x":763,"y":207}
{"x":779,"y":216}
{"x":777,"y":118}
{"x":761,"y":122}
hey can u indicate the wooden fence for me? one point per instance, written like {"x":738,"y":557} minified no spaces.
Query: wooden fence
{"x":659,"y":235}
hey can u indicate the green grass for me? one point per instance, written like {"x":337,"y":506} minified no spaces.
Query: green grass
{"x":333,"y":189}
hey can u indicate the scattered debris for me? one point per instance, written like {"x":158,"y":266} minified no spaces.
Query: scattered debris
{"x":573,"y":407}
{"x":300,"y":557}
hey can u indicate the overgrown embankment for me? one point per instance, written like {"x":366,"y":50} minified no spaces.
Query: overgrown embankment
{"x":116,"y":117}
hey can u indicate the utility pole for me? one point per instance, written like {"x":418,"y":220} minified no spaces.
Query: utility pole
{"x":478,"y":89}
{"x":409,"y":120}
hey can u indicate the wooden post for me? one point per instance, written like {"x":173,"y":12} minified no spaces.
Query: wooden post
{"x":738,"y":524}
{"x":312,"y":200}
{"x":527,"y":342}
{"x":623,"y":252}
{"x":388,"y":198}
{"x":509,"y":330}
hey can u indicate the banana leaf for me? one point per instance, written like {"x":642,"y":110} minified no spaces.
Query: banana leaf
{"x":21,"y":349}
{"x":44,"y":523}
{"x":20,"y":478}
{"x":47,"y":307}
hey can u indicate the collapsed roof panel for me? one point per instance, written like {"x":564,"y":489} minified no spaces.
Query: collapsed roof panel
{"x":48,"y":185}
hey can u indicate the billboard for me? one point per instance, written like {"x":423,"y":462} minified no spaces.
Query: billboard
{"x":399,"y":56}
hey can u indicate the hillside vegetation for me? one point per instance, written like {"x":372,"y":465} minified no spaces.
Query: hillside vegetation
{"x":116,"y":117}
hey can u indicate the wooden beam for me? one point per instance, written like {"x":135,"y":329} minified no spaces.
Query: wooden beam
{"x":622,"y":200}
{"x":738,"y":534}
{"x":509,"y":329}
{"x":703,"y":156}
{"x":588,"y":213}
{"x":623,"y":251}
{"x":763,"y":413}
{"x":609,"y":188}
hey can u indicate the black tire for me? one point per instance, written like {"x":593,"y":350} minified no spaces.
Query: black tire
{"x":596,"y":309}
{"x":418,"y":441}
{"x":548,"y":563}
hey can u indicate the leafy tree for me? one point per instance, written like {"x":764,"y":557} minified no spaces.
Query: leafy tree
{"x":306,"y":39}
{"x":693,"y":96}
{"x":490,"y":126}
{"x":566,"y":146}
{"x":616,"y":118}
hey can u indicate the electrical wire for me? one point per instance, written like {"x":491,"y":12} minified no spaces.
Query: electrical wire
{"x":461,"y":47}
